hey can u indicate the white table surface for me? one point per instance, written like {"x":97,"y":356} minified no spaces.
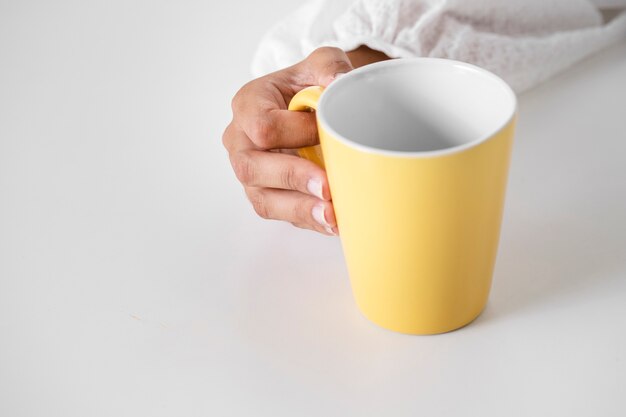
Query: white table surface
{"x":135,"y":279}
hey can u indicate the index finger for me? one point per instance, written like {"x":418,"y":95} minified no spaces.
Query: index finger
{"x":275,"y":128}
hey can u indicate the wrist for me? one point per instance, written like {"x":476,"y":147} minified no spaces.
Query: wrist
{"x":364,"y":55}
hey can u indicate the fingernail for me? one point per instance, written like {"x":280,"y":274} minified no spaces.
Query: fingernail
{"x":319,"y":216}
{"x":314,"y":185}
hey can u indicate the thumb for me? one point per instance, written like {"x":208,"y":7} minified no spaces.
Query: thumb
{"x":324,"y":64}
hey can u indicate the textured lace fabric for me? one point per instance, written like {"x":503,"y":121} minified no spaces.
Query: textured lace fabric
{"x":523,"y":41}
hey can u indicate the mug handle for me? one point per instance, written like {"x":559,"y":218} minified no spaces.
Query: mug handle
{"x":306,"y":100}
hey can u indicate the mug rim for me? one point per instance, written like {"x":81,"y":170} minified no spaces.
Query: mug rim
{"x":350,"y":76}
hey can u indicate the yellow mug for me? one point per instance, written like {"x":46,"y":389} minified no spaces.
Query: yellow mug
{"x":417,"y":154}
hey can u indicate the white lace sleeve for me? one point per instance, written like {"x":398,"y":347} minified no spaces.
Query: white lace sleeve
{"x":524,"y":42}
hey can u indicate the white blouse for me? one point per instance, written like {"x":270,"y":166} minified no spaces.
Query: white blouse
{"x":523,"y":41}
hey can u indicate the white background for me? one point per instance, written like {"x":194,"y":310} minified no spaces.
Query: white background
{"x":135,"y":279}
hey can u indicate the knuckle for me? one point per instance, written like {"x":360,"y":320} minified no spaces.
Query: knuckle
{"x":289,"y":178}
{"x":262,"y":132}
{"x":326,"y":51}
{"x":243,"y":166}
{"x":226,"y":136}
{"x":326,"y":61}
{"x":259,"y":204}
{"x":237,"y":103}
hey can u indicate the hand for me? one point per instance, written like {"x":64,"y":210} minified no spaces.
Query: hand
{"x":262,"y":137}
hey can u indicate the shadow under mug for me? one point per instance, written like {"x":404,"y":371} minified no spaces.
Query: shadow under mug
{"x":417,"y":155}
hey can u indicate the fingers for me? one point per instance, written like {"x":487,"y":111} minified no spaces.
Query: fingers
{"x":260,"y":107}
{"x":324,"y":64}
{"x":269,"y":126}
{"x":284,"y":129}
{"x":292,"y":206}
{"x":282,"y":186}
{"x":257,"y":168}
{"x":276,"y":170}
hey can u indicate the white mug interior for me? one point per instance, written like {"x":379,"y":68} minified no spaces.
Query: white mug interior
{"x":416,"y":106}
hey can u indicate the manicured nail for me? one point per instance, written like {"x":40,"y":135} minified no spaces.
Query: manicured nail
{"x":319,"y":216}
{"x":330,"y":231}
{"x":315,"y":187}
